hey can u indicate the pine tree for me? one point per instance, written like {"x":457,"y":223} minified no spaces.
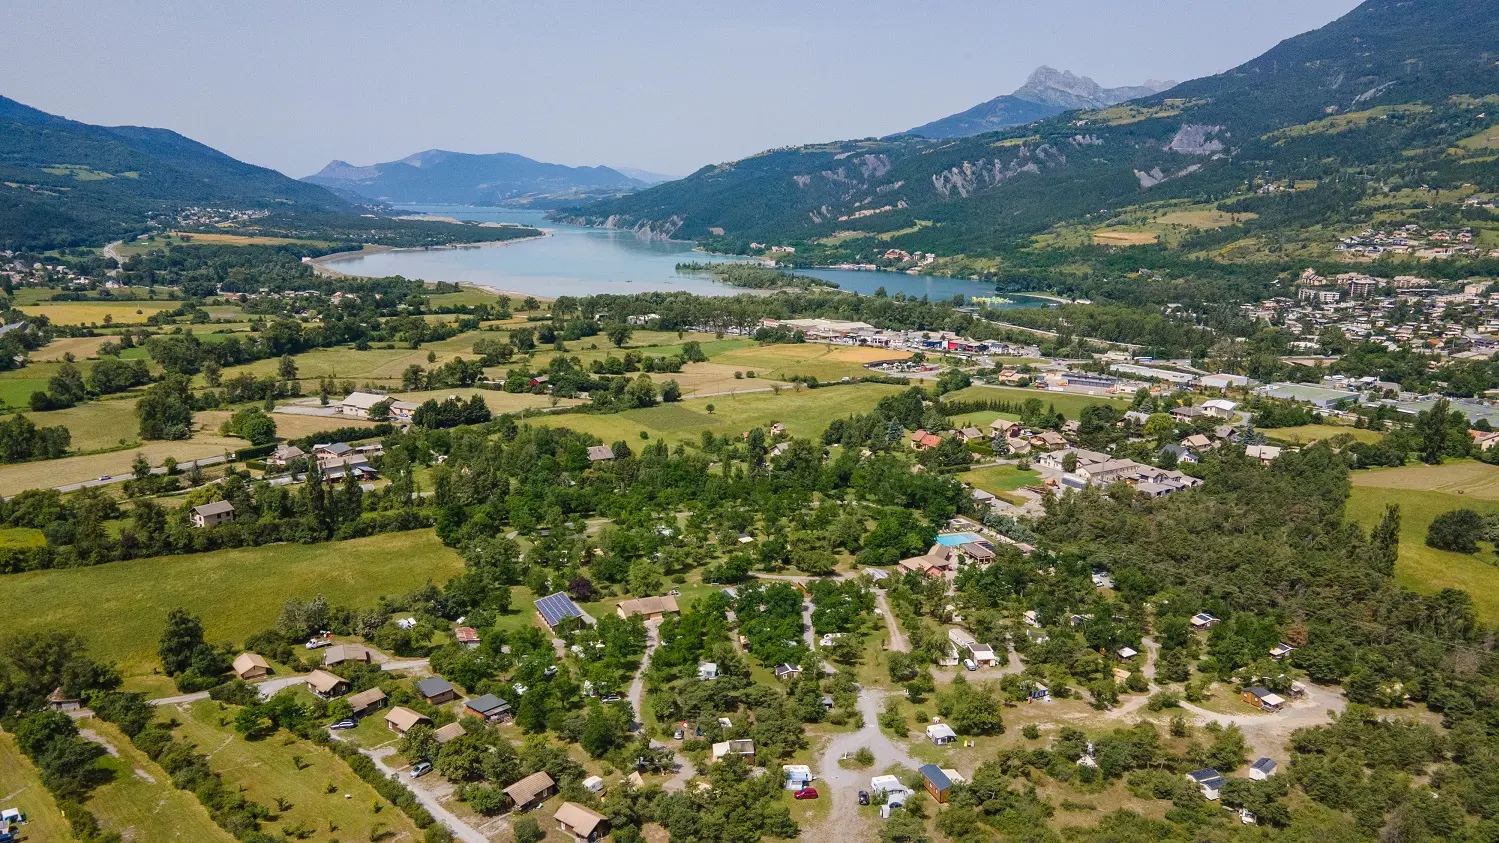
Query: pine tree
{"x":1385,"y":540}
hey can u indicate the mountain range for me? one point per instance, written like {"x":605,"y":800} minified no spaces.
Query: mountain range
{"x":455,"y":178}
{"x":66,"y":183}
{"x":1393,"y":93}
{"x":1046,"y":92}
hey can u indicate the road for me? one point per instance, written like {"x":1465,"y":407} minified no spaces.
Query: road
{"x":121,"y":478}
{"x":460,"y":829}
{"x":113,"y":251}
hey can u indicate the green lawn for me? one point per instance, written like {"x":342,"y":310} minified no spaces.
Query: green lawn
{"x":297,"y":771}
{"x":1066,"y":403}
{"x":1000,"y":478}
{"x":805,"y":413}
{"x":1427,"y":569}
{"x":121,"y":607}
{"x":141,"y":803}
{"x":21,"y":788}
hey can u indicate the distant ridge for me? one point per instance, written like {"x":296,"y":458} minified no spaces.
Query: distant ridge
{"x":1047,"y":92}
{"x":437,"y":176}
{"x":74,"y":183}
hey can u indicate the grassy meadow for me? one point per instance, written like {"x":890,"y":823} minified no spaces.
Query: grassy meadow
{"x":806,"y":413}
{"x":140,"y":802}
{"x":21,"y":788}
{"x":1069,"y":404}
{"x":121,"y":607}
{"x":1423,"y":492}
{"x":94,"y":312}
{"x":297,"y":771}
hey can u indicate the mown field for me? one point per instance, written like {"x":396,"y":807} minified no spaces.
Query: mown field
{"x":824,"y":362}
{"x":1067,"y":403}
{"x":1423,"y":492}
{"x":806,"y":413}
{"x":121,"y":607}
{"x":21,"y":788}
{"x":1307,"y":433}
{"x":299,"y":772}
{"x":93,"y":312}
{"x":141,"y":803}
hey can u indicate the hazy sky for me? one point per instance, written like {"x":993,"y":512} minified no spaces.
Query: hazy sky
{"x":665,"y":86}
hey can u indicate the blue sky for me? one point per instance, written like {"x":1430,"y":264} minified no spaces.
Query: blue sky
{"x":665,"y":86}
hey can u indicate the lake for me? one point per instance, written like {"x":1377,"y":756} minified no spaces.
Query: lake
{"x":577,"y":261}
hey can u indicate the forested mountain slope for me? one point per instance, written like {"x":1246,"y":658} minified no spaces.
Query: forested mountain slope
{"x":66,"y":183}
{"x":1379,"y":98}
{"x":438,"y":176}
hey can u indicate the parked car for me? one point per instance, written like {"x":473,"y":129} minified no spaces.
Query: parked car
{"x":863,"y":797}
{"x":345,"y":724}
{"x":806,"y":793}
{"x":678,"y":735}
{"x":610,"y":698}
{"x":970,"y":664}
{"x":421,"y":769}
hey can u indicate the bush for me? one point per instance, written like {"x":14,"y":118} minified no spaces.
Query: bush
{"x":527,"y":831}
{"x":1458,"y":531}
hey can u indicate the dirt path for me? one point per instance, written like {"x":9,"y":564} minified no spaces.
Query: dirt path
{"x":898,"y":643}
{"x":842,"y":785}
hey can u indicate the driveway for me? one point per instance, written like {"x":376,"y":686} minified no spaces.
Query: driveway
{"x":461,"y":830}
{"x":897,"y":643}
{"x":842,"y":785}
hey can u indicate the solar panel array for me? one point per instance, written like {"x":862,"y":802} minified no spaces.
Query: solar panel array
{"x":556,"y":607}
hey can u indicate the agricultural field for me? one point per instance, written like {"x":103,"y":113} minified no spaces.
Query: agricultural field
{"x":824,"y":362}
{"x":121,"y":607}
{"x":1124,"y":237}
{"x":1307,"y":433}
{"x":288,"y":426}
{"x":1069,"y":404}
{"x":159,"y":243}
{"x":498,"y":402}
{"x":81,"y":348}
{"x":1424,"y":492}
{"x":21,"y":537}
{"x":140,"y":802}
{"x":21,"y":788}
{"x":94,"y":312}
{"x":806,"y":413}
{"x":47,"y":474}
{"x":298,"y":772}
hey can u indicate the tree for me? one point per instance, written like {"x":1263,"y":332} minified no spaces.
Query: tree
{"x":671,"y":392}
{"x":180,"y":641}
{"x":166,"y":410}
{"x":252,"y":424}
{"x":1385,"y":540}
{"x":1069,"y":462}
{"x":1431,"y":430}
{"x":1458,"y":530}
{"x":619,"y":333}
{"x":528,"y":831}
{"x":380,"y":410}
{"x":1161,"y":426}
{"x":286,"y":369}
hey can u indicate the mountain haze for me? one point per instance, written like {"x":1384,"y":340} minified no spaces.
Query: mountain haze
{"x":1384,"y":96}
{"x":1046,"y":92}
{"x":455,"y":178}
{"x":65,"y":183}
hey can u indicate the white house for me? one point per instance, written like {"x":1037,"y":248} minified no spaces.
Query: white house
{"x":1209,"y":781}
{"x":1262,"y":769}
{"x":213,"y":514}
{"x":1219,"y":408}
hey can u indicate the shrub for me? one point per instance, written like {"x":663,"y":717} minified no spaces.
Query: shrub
{"x":1458,"y":530}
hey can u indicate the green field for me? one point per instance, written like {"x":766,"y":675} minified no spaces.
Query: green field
{"x":806,"y":413}
{"x":1066,"y":403}
{"x":21,"y":788}
{"x":93,"y":312}
{"x":265,"y":769}
{"x":141,"y":803}
{"x":21,"y":537}
{"x":121,"y":607}
{"x":1423,"y":568}
{"x":1000,"y":479}
{"x":1305,"y":433}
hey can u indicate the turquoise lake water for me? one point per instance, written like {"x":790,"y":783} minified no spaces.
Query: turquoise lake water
{"x":576,"y":261}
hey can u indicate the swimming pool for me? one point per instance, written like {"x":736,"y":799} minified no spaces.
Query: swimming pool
{"x":956,"y":539}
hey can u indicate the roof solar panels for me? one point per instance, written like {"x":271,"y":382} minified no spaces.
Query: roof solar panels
{"x":555,"y":608}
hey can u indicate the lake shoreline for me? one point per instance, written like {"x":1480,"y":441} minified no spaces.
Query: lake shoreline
{"x":321,"y":264}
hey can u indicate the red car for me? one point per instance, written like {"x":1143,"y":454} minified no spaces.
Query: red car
{"x":806,"y":793}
